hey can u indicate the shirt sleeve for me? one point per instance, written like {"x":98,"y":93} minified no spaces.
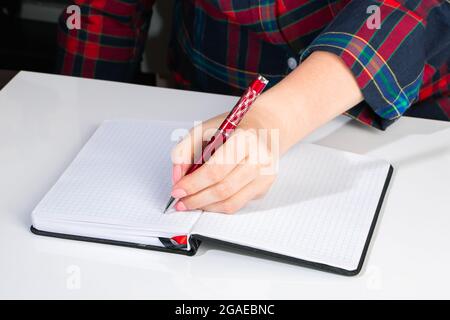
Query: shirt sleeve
{"x":109,"y":41}
{"x":386,"y":45}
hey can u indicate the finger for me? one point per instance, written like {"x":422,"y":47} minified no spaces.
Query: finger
{"x":221,"y":163}
{"x":241,"y":198}
{"x":178,"y":171}
{"x":183,"y":152}
{"x":238,"y":178}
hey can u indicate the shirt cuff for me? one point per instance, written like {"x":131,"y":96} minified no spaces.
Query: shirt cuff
{"x":388,"y":75}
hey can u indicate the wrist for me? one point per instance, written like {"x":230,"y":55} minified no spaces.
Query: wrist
{"x":286,"y":113}
{"x":282,"y":121}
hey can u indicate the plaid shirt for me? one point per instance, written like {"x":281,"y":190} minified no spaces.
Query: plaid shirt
{"x":220,"y":45}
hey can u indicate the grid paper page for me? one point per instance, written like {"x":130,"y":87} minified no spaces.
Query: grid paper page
{"x":319,"y":209}
{"x":121,"y":179}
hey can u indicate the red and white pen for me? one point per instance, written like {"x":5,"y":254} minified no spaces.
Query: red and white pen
{"x":228,"y":125}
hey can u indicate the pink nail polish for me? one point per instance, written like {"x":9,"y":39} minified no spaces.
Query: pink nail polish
{"x":180,"y":206}
{"x":179,"y":193}
{"x":176,"y":173}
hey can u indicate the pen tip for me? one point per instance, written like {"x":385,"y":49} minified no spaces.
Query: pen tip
{"x":171,"y":200}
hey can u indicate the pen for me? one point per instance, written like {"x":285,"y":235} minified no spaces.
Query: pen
{"x":228,"y":125}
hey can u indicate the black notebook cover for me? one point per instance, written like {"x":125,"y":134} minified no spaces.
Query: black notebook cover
{"x":195,"y":241}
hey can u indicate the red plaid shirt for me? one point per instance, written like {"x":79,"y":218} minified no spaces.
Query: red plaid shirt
{"x":220,"y":45}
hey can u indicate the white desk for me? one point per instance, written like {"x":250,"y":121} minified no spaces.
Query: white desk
{"x":44,"y":120}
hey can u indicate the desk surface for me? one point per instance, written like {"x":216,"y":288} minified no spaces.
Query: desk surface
{"x":44,"y":121}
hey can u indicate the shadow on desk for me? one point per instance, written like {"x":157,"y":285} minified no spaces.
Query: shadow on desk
{"x":406,"y":142}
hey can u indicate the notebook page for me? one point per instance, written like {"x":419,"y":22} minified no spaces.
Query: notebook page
{"x":319,"y":209}
{"x":121,"y":178}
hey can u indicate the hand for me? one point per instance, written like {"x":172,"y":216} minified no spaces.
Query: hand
{"x":318,"y":90}
{"x":240,"y":170}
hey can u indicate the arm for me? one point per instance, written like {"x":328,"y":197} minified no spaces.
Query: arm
{"x":318,"y":90}
{"x":394,"y":62}
{"x":346,"y":64}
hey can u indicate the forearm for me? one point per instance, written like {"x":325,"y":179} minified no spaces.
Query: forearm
{"x":321,"y":88}
{"x":317,"y":91}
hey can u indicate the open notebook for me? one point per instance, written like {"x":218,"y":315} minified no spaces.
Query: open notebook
{"x":320,"y":212}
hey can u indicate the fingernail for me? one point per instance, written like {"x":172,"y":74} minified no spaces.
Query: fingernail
{"x":179,"y":193}
{"x":180,"y":206}
{"x":176,"y":173}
